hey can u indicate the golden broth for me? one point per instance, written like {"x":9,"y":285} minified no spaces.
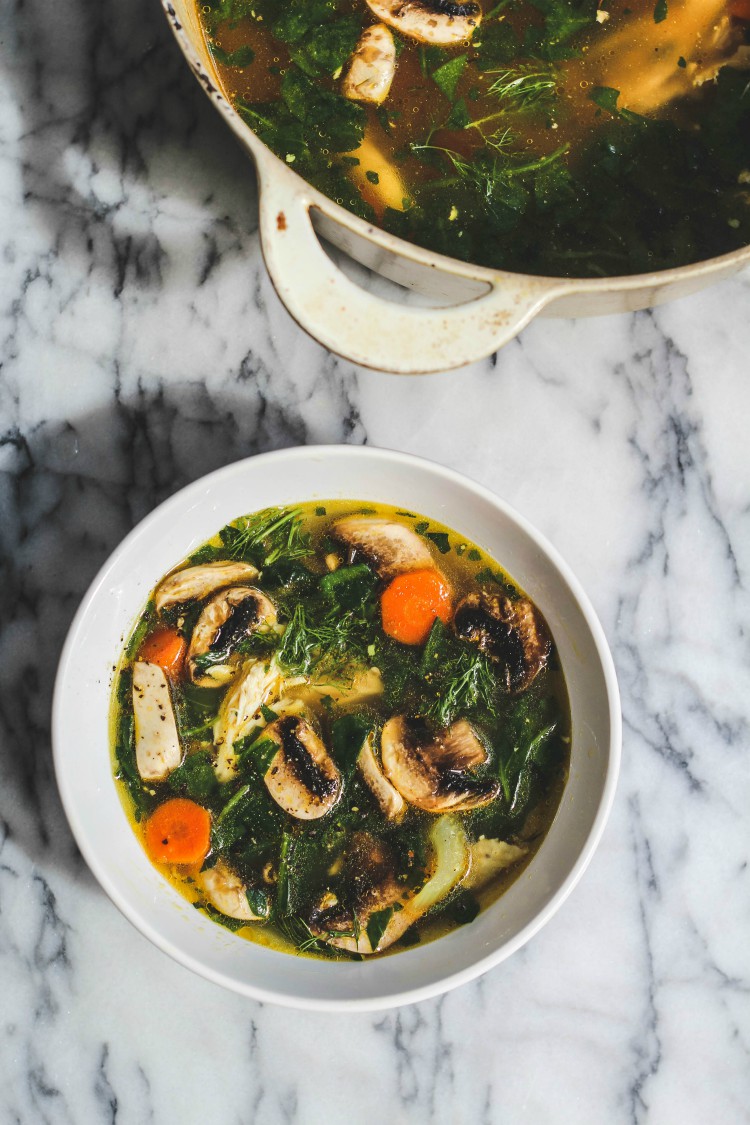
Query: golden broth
{"x":467,"y":568}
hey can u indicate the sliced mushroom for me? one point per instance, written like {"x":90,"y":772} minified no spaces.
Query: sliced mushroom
{"x":240,"y":711}
{"x":511,"y":633}
{"x":226,"y":891}
{"x":390,"y":800}
{"x":370,"y":865}
{"x":225,"y":619}
{"x":371,"y":67}
{"x":157,"y":744}
{"x":442,"y":23}
{"x":389,"y":547}
{"x":431,"y":770}
{"x":302,"y":777}
{"x":488,"y":859}
{"x":197,"y":582}
{"x":378,"y":890}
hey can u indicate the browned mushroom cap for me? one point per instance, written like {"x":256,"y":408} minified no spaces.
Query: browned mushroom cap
{"x":371,"y":869}
{"x":431,"y":770}
{"x":302,"y":778}
{"x":225,"y":619}
{"x":443,"y":23}
{"x":511,"y":633}
{"x":375,"y":887}
{"x":388,"y":547}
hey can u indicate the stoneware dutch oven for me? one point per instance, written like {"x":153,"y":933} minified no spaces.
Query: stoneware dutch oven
{"x":487,"y":307}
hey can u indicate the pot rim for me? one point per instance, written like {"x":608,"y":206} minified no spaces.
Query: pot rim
{"x":317,"y":201}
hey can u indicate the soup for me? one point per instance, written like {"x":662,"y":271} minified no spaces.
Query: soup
{"x":340,"y":730}
{"x":555,"y":137}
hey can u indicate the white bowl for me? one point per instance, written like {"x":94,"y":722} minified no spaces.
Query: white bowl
{"x":80,"y":727}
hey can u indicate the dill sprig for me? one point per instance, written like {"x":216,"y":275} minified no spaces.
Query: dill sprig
{"x":298,"y":933}
{"x":328,"y":641}
{"x":470,"y":682}
{"x":268,"y":536}
{"x":491,"y":176}
{"x":522,"y":88}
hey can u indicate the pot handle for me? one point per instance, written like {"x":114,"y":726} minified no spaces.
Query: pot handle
{"x":366,"y":329}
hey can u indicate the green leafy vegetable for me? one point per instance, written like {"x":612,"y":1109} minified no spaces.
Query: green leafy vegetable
{"x":240,"y":58}
{"x":233,"y":924}
{"x":195,"y":778}
{"x":606,"y":98}
{"x":457,"y":678}
{"x":327,"y":48}
{"x":523,"y":87}
{"x":441,"y":541}
{"x":661,"y":11}
{"x":349,"y":586}
{"x":462,"y":908}
{"x":258,"y":902}
{"x":347,"y":736}
{"x":447,"y":76}
{"x":326,"y":638}
{"x":141,"y":631}
{"x":377,"y":924}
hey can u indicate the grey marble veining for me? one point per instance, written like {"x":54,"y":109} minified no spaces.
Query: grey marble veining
{"x":141,"y":346}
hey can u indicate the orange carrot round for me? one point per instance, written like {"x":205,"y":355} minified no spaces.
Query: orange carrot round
{"x":410,"y":604}
{"x":740,"y":9}
{"x":179,"y":831}
{"x":166,"y":648}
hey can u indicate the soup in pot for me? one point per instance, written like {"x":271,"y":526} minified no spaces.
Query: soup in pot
{"x":559,"y":137}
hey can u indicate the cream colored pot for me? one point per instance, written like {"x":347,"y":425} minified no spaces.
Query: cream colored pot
{"x":489,"y":307}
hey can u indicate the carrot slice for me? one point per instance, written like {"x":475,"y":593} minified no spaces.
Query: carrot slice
{"x":410,"y":604}
{"x":166,"y":648}
{"x":179,"y":831}
{"x":740,"y":9}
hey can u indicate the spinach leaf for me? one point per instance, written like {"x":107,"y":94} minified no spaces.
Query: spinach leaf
{"x":462,"y":908}
{"x":258,"y":902}
{"x":349,"y":586}
{"x":249,"y":816}
{"x":240,"y":58}
{"x":377,"y":925}
{"x":497,"y":45}
{"x":347,"y":735}
{"x":326,"y":49}
{"x":606,"y":98}
{"x":441,"y":541}
{"x":562,"y":19}
{"x":292,"y":20}
{"x":257,"y":752}
{"x":447,"y":76}
{"x":195,"y":778}
{"x":459,"y":118}
{"x":230,"y":12}
{"x":329,"y":120}
{"x":196,"y":709}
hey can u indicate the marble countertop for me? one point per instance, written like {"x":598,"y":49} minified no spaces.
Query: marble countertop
{"x":141,"y":346}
